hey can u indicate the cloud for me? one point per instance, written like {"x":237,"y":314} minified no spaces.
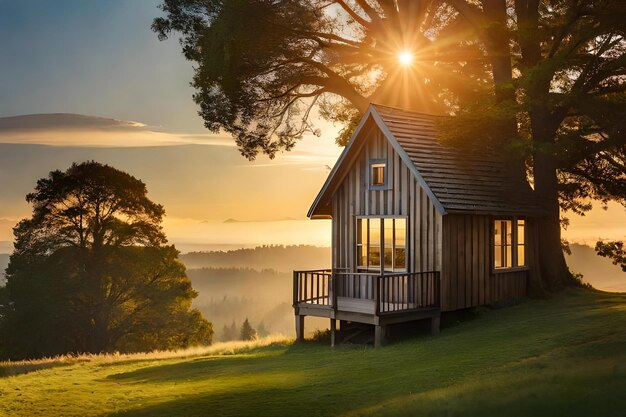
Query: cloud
{"x":66,"y":121}
{"x":66,"y":129}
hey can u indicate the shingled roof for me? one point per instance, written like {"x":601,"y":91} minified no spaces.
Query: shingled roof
{"x":455,"y":181}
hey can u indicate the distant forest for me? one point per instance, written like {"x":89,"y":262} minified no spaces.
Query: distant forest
{"x":278,"y":257}
{"x":251,"y":283}
{"x":256,"y":283}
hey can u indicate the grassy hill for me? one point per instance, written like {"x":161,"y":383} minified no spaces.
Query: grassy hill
{"x":562,"y":356}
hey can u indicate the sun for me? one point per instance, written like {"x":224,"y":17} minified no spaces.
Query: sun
{"x":406,"y":58}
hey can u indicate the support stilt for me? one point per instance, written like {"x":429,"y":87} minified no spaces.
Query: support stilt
{"x":434,"y":325}
{"x":379,"y":336}
{"x":299,"y":328}
{"x":333,"y":332}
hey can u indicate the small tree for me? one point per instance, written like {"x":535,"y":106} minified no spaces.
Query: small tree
{"x":247,"y":332}
{"x":92,"y":271}
{"x":261,"y":330}
{"x":230,"y":332}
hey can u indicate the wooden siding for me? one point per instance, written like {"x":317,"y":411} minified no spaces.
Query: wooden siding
{"x":467,"y":276}
{"x":404,"y":197}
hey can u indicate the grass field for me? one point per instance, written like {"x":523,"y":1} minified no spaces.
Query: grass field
{"x":564,"y":356}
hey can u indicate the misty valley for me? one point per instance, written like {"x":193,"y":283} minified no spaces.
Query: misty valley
{"x":256,"y":283}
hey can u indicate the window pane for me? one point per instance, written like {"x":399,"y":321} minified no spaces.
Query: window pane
{"x":509,"y":257}
{"x":400,"y":258}
{"x":374,"y":232}
{"x":374,"y":256}
{"x":388,"y":257}
{"x":378,"y":174}
{"x":498,"y":256}
{"x":361,"y":256}
{"x":362,"y":231}
{"x":498,"y":232}
{"x":388,"y":233}
{"x":520,"y":232}
{"x":400,"y":226}
{"x":521,"y":259}
{"x":508,"y":232}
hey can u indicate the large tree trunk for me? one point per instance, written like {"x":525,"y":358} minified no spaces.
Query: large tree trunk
{"x":97,"y":306}
{"x":552,"y":265}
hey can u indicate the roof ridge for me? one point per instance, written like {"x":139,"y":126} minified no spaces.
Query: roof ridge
{"x":401,"y":110}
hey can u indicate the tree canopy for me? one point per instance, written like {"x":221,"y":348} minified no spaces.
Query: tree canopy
{"x":263,"y":68}
{"x":92,"y":271}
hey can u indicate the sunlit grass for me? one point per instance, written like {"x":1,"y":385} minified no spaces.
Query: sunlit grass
{"x":561,"y":356}
{"x":11,"y":368}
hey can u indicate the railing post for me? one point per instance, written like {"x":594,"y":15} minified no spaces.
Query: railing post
{"x":438,"y":285}
{"x":333,"y":278}
{"x":295,"y":288}
{"x":377,"y":280}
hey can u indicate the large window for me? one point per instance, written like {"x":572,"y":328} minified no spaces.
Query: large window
{"x":381,"y":241}
{"x":509,"y":243}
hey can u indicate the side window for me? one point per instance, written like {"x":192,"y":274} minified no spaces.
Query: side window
{"x":503,"y":240}
{"x":521,"y":242}
{"x":509,"y":249}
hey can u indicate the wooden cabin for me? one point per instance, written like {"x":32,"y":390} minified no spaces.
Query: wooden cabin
{"x":418,"y":228}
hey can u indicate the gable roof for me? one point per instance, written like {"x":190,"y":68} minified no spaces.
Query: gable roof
{"x":455,"y":182}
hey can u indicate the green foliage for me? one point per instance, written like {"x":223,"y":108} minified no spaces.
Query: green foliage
{"x":247,"y":332}
{"x":563,"y":356}
{"x":91,"y":271}
{"x":614,"y":251}
{"x":564,"y":93}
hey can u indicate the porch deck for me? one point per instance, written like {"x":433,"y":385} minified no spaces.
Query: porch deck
{"x":364,"y":297}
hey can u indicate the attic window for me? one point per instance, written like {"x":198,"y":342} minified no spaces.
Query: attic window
{"x":378,"y":174}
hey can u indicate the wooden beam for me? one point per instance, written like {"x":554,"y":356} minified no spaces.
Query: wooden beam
{"x":333,"y":332}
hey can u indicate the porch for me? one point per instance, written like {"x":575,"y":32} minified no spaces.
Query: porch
{"x":375,"y":298}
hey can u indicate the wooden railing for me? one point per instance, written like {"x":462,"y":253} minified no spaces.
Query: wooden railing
{"x":313,"y":287}
{"x":393,"y":292}
{"x":408,"y":291}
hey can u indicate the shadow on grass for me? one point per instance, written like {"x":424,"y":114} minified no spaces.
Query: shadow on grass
{"x":523,"y":389}
{"x":19,"y":368}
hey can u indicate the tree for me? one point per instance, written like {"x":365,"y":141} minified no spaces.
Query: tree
{"x":261,"y":330}
{"x":262,"y":85}
{"x":247,"y":332}
{"x":614,"y":251}
{"x":92,"y":271}
{"x":557,"y":100}
{"x":539,"y":81}
{"x":230,"y":332}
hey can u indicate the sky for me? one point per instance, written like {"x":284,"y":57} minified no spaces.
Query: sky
{"x":88,"y":80}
